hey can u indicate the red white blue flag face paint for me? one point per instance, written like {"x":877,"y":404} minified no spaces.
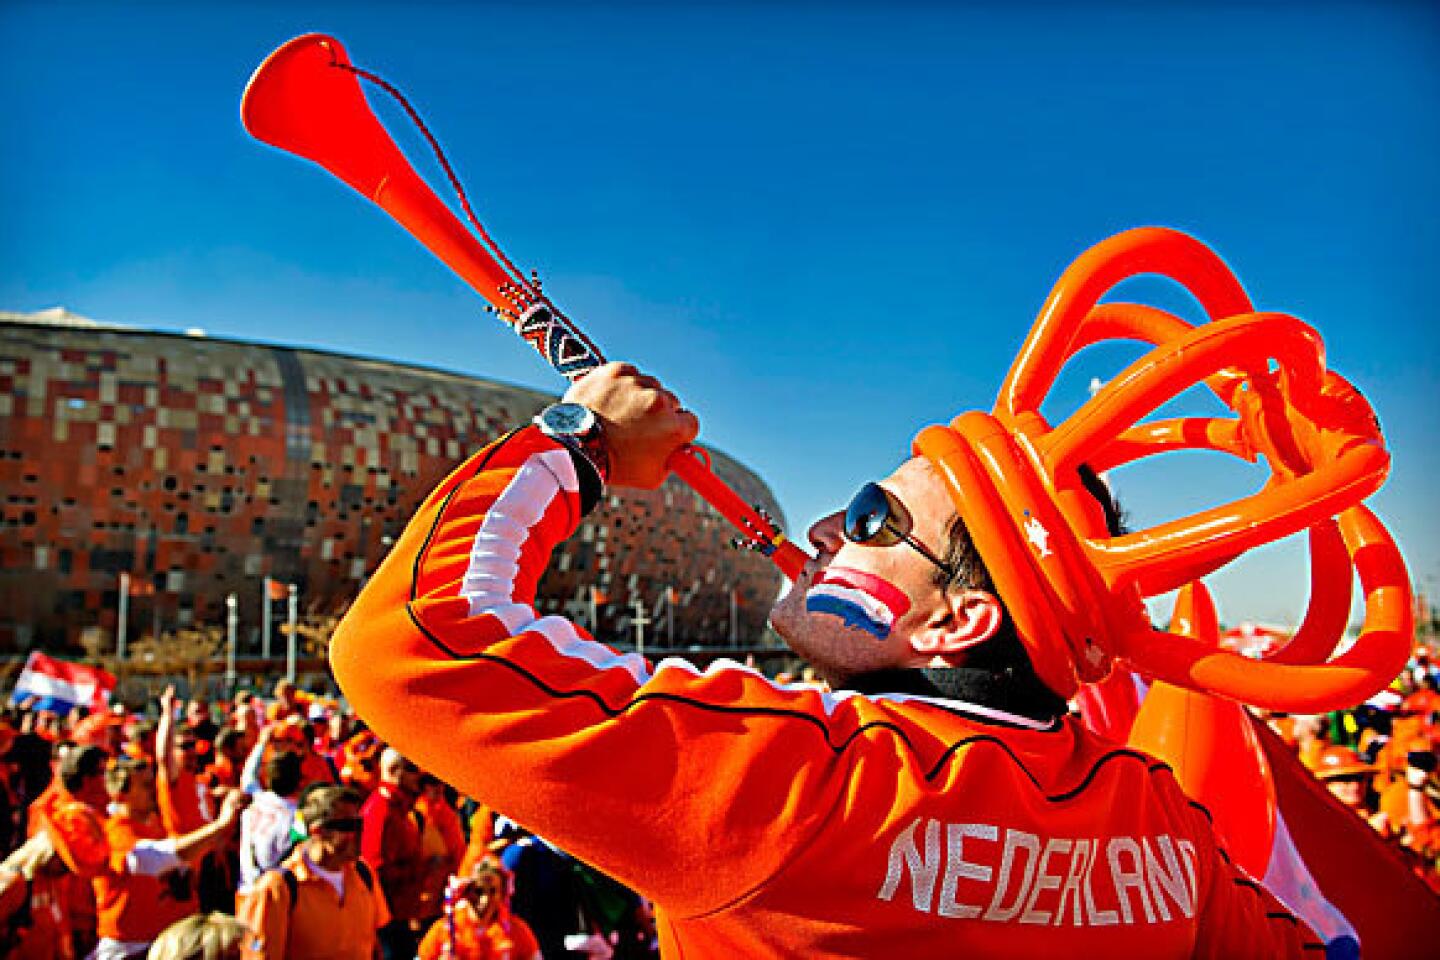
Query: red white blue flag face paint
{"x":862,"y":600}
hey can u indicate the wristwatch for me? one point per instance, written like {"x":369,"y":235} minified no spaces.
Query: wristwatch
{"x":580,"y":430}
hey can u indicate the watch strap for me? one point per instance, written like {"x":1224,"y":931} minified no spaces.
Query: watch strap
{"x":592,"y":485}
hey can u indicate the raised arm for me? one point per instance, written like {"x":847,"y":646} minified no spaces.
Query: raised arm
{"x":250,"y":773}
{"x":446,"y":657}
{"x":165,"y":735}
{"x":154,"y":857}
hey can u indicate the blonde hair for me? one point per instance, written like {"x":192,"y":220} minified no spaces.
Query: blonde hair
{"x":210,"y":936}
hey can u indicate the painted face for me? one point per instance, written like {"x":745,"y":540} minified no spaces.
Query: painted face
{"x":856,"y":608}
{"x":861,"y":600}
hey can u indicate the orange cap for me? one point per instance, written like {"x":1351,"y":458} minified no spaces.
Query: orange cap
{"x":1074,"y":591}
{"x":1337,"y":761}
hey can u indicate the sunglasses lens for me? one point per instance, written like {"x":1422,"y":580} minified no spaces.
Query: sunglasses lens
{"x":867,"y":514}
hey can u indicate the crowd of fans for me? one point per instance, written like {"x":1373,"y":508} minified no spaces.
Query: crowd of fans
{"x":1379,"y":759}
{"x":270,"y":828}
{"x":281,"y":827}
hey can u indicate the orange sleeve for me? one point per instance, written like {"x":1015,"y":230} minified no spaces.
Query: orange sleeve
{"x":266,"y":911}
{"x":695,"y":787}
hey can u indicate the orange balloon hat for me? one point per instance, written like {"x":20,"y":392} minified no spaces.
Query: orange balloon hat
{"x":1211,"y":746}
{"x":1075,"y":592}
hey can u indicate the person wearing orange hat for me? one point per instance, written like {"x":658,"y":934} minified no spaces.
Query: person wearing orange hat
{"x":482,"y":842}
{"x":940,"y":802}
{"x":1346,"y":776}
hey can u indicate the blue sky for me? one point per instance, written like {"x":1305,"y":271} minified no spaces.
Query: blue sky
{"x":825,"y":226}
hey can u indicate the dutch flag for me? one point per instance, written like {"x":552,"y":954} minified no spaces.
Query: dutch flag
{"x":59,"y":685}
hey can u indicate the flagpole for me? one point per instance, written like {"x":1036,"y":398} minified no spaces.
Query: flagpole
{"x":266,"y":605}
{"x":232,"y":621}
{"x":124,"y":615}
{"x":670,"y":616}
{"x":292,"y":614}
{"x":594,"y":616}
{"x":734,"y":633}
{"x":639,"y":621}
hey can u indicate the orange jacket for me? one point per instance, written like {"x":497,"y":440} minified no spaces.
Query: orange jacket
{"x":765,"y":820}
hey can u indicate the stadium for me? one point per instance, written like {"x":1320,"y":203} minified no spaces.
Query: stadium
{"x":200,"y":466}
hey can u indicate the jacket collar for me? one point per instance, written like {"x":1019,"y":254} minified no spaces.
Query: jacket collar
{"x":1006,"y":690}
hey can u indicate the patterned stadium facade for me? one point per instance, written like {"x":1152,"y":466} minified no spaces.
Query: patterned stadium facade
{"x":200,"y":465}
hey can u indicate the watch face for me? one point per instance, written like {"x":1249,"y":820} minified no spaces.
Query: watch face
{"x":569,"y":418}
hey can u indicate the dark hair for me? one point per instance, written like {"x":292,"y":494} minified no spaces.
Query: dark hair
{"x":283,"y":772}
{"x":79,"y":764}
{"x":1004,"y":651}
{"x":320,"y":801}
{"x":228,"y":736}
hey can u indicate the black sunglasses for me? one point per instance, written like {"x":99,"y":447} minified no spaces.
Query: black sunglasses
{"x":875,"y":517}
{"x":342,"y":824}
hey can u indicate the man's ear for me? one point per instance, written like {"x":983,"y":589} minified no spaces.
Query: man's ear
{"x":965,"y":619}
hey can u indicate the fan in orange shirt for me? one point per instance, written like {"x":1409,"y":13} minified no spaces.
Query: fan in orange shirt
{"x":70,"y":810}
{"x":183,"y":805}
{"x":478,"y":924}
{"x":941,"y":802}
{"x":323,"y":903}
{"x":148,"y":880}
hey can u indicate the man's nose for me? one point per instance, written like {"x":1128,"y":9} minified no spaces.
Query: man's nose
{"x":828,"y":533}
